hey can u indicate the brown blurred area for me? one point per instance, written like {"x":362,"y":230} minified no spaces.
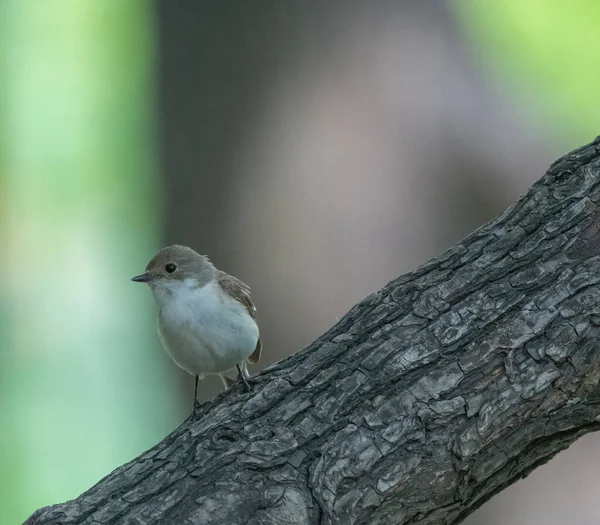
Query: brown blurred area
{"x":318,"y":150}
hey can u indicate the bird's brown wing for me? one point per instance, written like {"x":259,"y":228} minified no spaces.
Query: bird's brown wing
{"x":240,"y":291}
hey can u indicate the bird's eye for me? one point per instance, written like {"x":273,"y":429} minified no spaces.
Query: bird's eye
{"x":170,"y":267}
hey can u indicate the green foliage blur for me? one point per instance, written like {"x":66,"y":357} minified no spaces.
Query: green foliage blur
{"x":82,"y":385}
{"x":547,"y":51}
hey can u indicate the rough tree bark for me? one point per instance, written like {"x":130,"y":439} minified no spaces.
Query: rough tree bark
{"x":426,"y":399}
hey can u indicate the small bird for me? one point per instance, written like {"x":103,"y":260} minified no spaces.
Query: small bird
{"x":206,"y":318}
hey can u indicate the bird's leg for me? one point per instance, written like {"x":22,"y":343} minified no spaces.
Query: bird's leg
{"x":227,"y":381}
{"x":195,"y":405}
{"x":242,"y":378}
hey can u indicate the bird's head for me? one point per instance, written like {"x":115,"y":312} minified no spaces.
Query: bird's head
{"x":175,"y":266}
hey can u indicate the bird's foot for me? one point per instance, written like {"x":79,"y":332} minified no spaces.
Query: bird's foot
{"x":196,"y":409}
{"x":242,"y":380}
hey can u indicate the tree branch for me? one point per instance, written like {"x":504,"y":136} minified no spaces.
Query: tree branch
{"x":426,"y":399}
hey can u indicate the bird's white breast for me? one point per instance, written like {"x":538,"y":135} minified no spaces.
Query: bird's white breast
{"x":204,"y":330}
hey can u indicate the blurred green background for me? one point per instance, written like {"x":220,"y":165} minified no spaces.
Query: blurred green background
{"x":314,"y":149}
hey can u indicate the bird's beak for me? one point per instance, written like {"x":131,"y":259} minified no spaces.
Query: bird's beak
{"x":144,"y":278}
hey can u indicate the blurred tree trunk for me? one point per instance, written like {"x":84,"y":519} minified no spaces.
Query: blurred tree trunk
{"x":267,"y":108}
{"x":426,"y":399}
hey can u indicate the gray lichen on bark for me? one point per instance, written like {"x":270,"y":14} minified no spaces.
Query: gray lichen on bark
{"x":426,"y":399}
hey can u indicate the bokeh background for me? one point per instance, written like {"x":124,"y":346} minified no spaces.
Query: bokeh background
{"x":315,"y":149}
